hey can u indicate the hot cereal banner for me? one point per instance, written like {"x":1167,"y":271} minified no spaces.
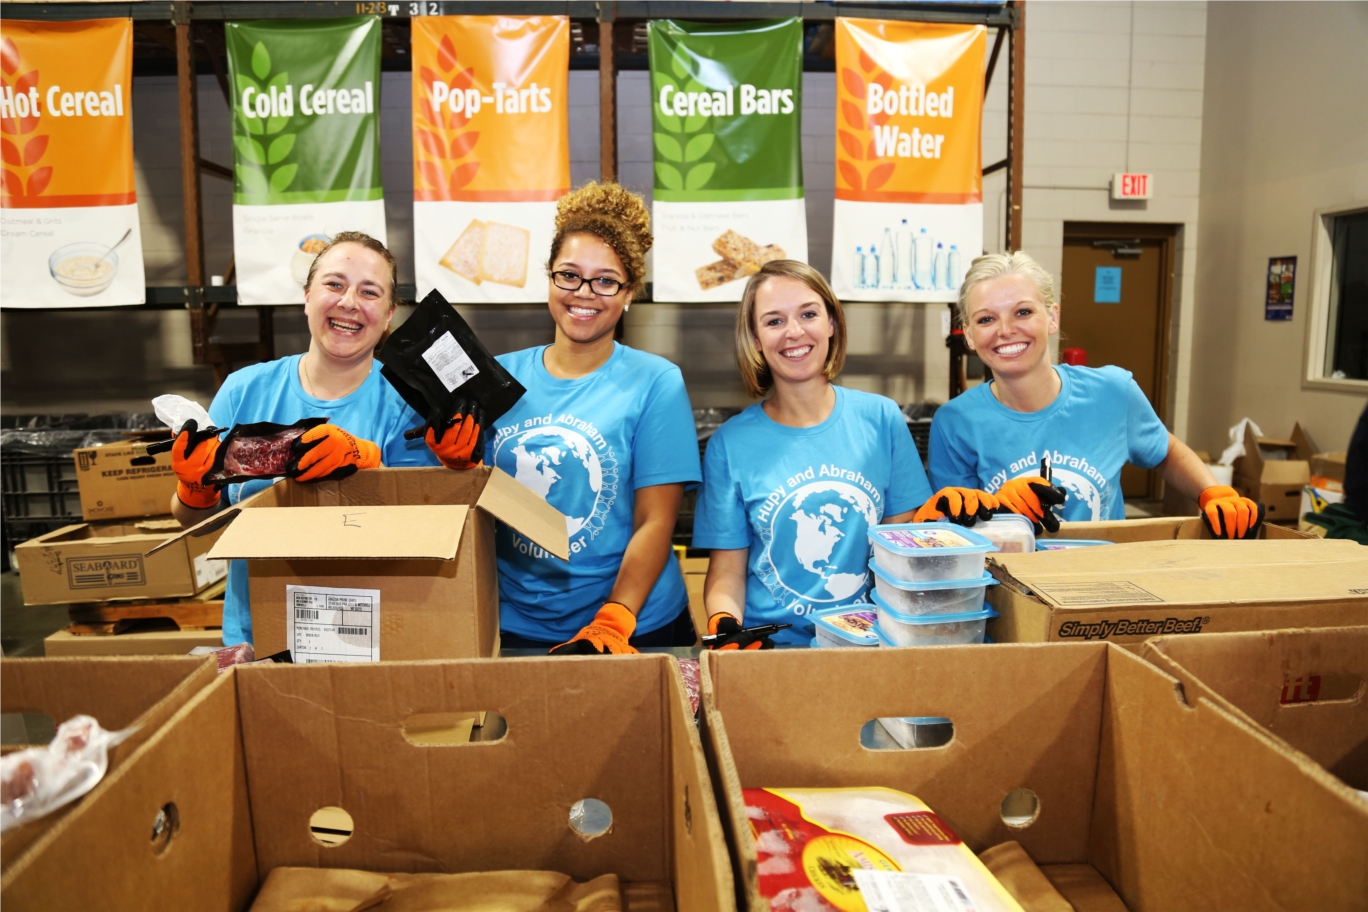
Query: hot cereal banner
{"x":491,"y":150}
{"x":70,"y":234}
{"x":908,"y":216}
{"x":725,"y":103}
{"x":306,"y":146}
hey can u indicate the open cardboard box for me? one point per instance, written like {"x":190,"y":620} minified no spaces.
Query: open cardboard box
{"x":142,"y":643}
{"x":244,"y":766}
{"x":1306,"y":687}
{"x":121,"y":693}
{"x":1273,"y":470}
{"x":1167,"y":576}
{"x":393,"y":564}
{"x":1168,"y":803}
{"x":120,"y":481}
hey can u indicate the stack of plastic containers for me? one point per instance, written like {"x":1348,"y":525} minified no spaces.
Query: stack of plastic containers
{"x":852,"y":625}
{"x":1012,"y":533}
{"x":929,"y":584}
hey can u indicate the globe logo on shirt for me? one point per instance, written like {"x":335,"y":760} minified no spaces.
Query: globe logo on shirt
{"x":824,"y":525}
{"x":1082,"y":490}
{"x":563,"y":467}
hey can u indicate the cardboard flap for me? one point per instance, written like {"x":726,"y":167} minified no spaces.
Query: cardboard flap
{"x":432,"y":531}
{"x":518,"y":506}
{"x":203,"y":527}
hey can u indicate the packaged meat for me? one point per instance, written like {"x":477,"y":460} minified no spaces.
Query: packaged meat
{"x":852,"y":625}
{"x":864,"y":850}
{"x":929,"y":552}
{"x":39,"y":780}
{"x":258,"y":450}
{"x":939,"y":597}
{"x":1011,"y":532}
{"x":962,"y":629}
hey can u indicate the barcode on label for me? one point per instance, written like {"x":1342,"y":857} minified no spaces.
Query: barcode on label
{"x":353,"y":631}
{"x":304,"y":614}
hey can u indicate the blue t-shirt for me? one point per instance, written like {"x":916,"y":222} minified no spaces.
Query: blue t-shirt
{"x":586,"y":445}
{"x":1099,"y":421}
{"x":802,"y":500}
{"x":272,"y":392}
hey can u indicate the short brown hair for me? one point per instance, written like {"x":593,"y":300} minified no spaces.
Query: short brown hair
{"x":614,"y":215}
{"x":370,"y":243}
{"x":755,"y":372}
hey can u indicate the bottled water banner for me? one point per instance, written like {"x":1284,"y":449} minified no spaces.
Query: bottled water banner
{"x":725,"y":102}
{"x":70,"y":233}
{"x":491,"y":152}
{"x":908,"y":215}
{"x":306,"y":146}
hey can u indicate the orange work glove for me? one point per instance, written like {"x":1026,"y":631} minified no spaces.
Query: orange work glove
{"x":459,"y":440}
{"x":958,"y":505}
{"x":725,"y":624}
{"x":606,"y":634}
{"x":1032,"y":498}
{"x":1228,"y":515}
{"x":192,"y":456}
{"x":327,"y":453}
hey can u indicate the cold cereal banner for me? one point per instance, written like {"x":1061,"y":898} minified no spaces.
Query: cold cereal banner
{"x":908,"y":217}
{"x":491,"y":152}
{"x":725,"y":103}
{"x":70,"y":233}
{"x":306,"y":146}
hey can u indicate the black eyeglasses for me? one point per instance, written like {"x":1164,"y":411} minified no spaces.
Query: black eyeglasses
{"x":599,"y":285}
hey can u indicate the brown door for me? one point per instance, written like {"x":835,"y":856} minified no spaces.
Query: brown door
{"x":1119,"y":322}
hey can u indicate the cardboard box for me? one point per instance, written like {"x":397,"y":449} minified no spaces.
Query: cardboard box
{"x":117,"y":482}
{"x":154,"y":642}
{"x":1327,"y":470}
{"x":695,"y":575}
{"x":1127,"y":593}
{"x":409,"y":553}
{"x":248,"y":762}
{"x":1272,"y":471}
{"x":92,"y":562}
{"x":1171,"y":804}
{"x":141,"y":694}
{"x":1306,"y":687}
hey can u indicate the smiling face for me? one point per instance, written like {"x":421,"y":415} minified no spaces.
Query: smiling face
{"x":793,"y":329}
{"x":582,"y":316}
{"x":350,"y":301}
{"x":1009,"y":325}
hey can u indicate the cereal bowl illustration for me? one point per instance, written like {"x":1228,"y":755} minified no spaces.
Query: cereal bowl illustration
{"x":84,"y":269}
{"x":309,"y":247}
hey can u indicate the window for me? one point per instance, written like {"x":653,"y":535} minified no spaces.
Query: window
{"x":1337,"y":349}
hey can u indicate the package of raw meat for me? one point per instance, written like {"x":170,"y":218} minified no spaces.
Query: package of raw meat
{"x":864,"y":850}
{"x":260,"y":450}
{"x":39,"y":780}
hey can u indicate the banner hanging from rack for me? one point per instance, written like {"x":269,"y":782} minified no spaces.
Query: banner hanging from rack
{"x":68,"y":207}
{"x":908,"y":215}
{"x":306,"y":146}
{"x":491,"y":153}
{"x":725,"y":112}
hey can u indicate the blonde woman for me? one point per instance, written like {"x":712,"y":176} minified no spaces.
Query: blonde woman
{"x":1087,"y":422}
{"x":793,"y":484}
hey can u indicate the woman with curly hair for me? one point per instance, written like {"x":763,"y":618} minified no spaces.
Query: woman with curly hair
{"x":605,"y":433}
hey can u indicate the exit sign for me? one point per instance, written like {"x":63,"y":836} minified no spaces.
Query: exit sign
{"x":1132,"y":186}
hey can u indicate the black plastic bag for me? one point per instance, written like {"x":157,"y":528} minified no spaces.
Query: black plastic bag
{"x":435,"y":360}
{"x":258,"y":450}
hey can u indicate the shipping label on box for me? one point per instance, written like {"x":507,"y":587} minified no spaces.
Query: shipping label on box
{"x":328,"y":624}
{"x":119,"y":482}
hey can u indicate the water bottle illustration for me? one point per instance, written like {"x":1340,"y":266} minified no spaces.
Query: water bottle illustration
{"x":872,"y":267}
{"x":904,"y":251}
{"x":953,"y":267}
{"x":859,"y":267}
{"x":921,"y":275}
{"x":888,"y":261}
{"x":941,"y":276}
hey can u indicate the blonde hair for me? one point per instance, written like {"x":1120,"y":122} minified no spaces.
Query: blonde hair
{"x":755,"y":372}
{"x":995,"y":265}
{"x":614,"y":215}
{"x":361,"y":239}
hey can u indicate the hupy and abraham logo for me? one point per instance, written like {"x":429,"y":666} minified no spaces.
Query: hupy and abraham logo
{"x":1083,"y":481}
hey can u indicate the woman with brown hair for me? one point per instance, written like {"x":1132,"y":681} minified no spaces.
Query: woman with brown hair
{"x":606,"y":435}
{"x":793,"y":484}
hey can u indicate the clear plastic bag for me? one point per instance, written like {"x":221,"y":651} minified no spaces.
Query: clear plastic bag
{"x":39,"y":780}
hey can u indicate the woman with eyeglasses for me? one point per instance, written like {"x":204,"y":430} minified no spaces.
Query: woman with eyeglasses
{"x":605,"y":433}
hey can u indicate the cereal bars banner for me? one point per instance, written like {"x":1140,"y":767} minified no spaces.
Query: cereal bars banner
{"x":491,"y":153}
{"x":70,"y":233}
{"x":908,"y":216}
{"x":306,"y":146}
{"x":725,"y":103}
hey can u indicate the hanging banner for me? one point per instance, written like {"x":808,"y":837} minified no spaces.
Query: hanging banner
{"x":306,"y":146}
{"x":725,"y":108}
{"x":908,"y":217}
{"x":69,"y":233}
{"x":491,"y":153}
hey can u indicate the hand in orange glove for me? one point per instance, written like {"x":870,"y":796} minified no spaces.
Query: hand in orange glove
{"x":1228,"y":515}
{"x":192,"y":456}
{"x":1032,"y":497}
{"x":724,"y":624}
{"x":606,"y":634}
{"x":458,"y":441}
{"x":958,"y":505}
{"x":327,"y":453}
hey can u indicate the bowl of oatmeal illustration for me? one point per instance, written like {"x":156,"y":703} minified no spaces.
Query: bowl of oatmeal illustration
{"x":308,"y":247}
{"x":84,"y":269}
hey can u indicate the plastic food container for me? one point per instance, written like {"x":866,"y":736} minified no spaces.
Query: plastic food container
{"x":939,"y":597}
{"x":919,"y":731}
{"x":925,"y":552}
{"x":1011,"y":533}
{"x":898,"y":629}
{"x":852,"y":625}
{"x":1065,"y":544}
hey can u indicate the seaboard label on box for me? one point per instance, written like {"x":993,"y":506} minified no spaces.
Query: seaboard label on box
{"x":327,"y":624}
{"x":208,"y":571}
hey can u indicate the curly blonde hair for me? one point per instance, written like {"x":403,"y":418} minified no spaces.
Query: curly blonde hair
{"x":614,"y":215}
